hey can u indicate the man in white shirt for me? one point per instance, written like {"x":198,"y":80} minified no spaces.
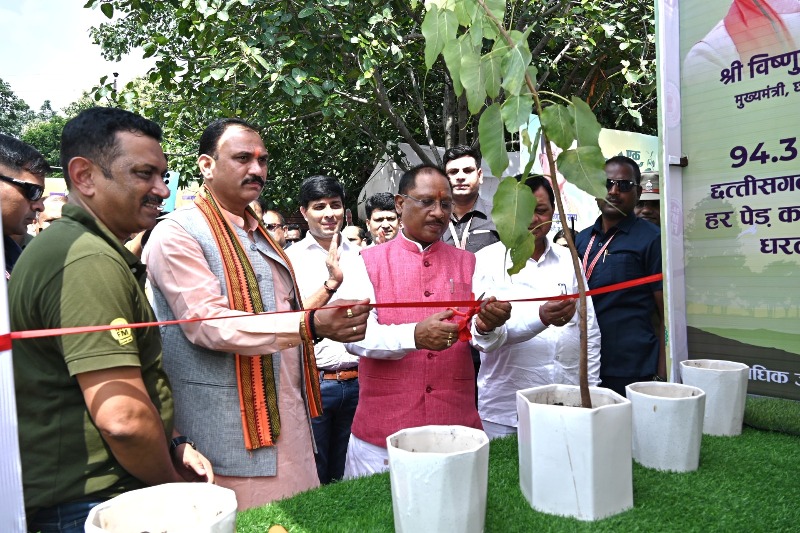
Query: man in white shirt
{"x":552,"y":356}
{"x":323,"y":267}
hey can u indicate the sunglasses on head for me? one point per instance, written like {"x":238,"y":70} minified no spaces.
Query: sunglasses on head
{"x":622,"y":185}
{"x":31,"y":191}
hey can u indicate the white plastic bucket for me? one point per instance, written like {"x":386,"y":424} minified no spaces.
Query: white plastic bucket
{"x":168,"y":508}
{"x":575,"y":461}
{"x":725,"y":385}
{"x":439,"y":477}
{"x":667,"y":425}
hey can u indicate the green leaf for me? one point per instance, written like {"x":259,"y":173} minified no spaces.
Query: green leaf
{"x":467,"y":11}
{"x":522,"y":251}
{"x":587,"y":129}
{"x":452,"y":54}
{"x":438,"y":27}
{"x":515,"y":64}
{"x":107,"y":9}
{"x":558,"y":125}
{"x":512,"y":212}
{"x":584,"y":167}
{"x":149,"y":49}
{"x":515,"y":111}
{"x":472,"y":80}
{"x":306,"y":12}
{"x":223,"y":16}
{"x":218,"y":73}
{"x":491,"y":66}
{"x":492,"y":136}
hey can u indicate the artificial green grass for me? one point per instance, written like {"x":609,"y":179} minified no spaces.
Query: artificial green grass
{"x":744,"y":483}
{"x":774,"y":414}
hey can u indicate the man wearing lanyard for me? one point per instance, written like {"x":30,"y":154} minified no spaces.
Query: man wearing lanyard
{"x":471,"y":227}
{"x":621,"y":247}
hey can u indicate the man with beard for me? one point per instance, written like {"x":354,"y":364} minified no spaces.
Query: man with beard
{"x":621,"y":247}
{"x":246,"y":387}
{"x":95,"y":410}
{"x":22,"y":172}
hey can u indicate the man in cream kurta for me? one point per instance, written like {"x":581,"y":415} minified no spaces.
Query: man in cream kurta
{"x":190,"y":279}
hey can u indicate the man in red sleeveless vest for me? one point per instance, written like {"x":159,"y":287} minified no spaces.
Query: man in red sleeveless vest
{"x":414,"y":370}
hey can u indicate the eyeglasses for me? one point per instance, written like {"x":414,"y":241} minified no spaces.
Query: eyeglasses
{"x":273,"y":227}
{"x":622,"y":185}
{"x":32,"y":191}
{"x":429,"y":203}
{"x":455,"y":171}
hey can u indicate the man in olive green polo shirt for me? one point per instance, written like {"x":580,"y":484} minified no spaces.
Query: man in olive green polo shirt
{"x":95,"y":409}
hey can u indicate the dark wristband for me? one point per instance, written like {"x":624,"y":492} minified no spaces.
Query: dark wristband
{"x":177,"y":441}
{"x":314,"y":337}
{"x":329,"y":290}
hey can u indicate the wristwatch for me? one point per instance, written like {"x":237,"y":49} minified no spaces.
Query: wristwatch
{"x":177,"y":441}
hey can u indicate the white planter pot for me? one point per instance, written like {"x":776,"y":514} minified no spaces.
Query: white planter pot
{"x":439,"y":476}
{"x":667,"y":425}
{"x":173,"y":507}
{"x":725,"y":385}
{"x":575,"y":461}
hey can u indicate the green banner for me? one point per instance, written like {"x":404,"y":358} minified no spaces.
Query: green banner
{"x":740,"y":92}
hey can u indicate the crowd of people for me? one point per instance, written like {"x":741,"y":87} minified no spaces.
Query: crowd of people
{"x":282,"y":374}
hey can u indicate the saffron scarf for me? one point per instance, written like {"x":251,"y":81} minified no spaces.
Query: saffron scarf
{"x":256,"y":379}
{"x":754,"y":26}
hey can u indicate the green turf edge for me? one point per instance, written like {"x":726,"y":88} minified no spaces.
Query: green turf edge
{"x":773,"y":414}
{"x":744,"y":483}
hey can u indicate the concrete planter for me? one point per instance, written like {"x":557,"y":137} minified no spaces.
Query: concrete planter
{"x":439,"y":477}
{"x":725,"y":385}
{"x":667,"y":425}
{"x":575,"y":461}
{"x":173,"y":507}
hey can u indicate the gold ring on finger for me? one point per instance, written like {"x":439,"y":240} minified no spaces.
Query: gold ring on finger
{"x":349,"y":313}
{"x":449,"y":343}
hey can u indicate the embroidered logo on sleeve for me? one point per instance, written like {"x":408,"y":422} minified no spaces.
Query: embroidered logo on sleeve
{"x":123,"y":335}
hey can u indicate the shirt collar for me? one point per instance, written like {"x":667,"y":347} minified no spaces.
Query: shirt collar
{"x":623,"y":225}
{"x":481,"y":208}
{"x":96,"y":227}
{"x":414,"y":246}
{"x":309,"y":243}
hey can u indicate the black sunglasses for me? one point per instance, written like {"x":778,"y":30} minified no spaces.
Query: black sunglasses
{"x":273,"y":227}
{"x":32,"y":191}
{"x":622,"y":185}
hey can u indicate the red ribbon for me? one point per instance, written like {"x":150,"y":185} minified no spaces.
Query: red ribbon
{"x":464,"y":334}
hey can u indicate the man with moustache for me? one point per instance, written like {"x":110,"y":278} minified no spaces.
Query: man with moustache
{"x":22,"y":172}
{"x":649,"y":205}
{"x":382,"y":221}
{"x":246,"y":387}
{"x":276,"y":226}
{"x":621,"y":247}
{"x":326,"y":264}
{"x":553,"y":355}
{"x":414,"y":369}
{"x":95,"y":410}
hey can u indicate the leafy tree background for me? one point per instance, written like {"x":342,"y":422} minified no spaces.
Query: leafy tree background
{"x":335,"y":84}
{"x":14,"y":112}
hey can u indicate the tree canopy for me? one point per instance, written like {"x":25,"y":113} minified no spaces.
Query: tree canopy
{"x":14,"y":112}
{"x":336,"y":83}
